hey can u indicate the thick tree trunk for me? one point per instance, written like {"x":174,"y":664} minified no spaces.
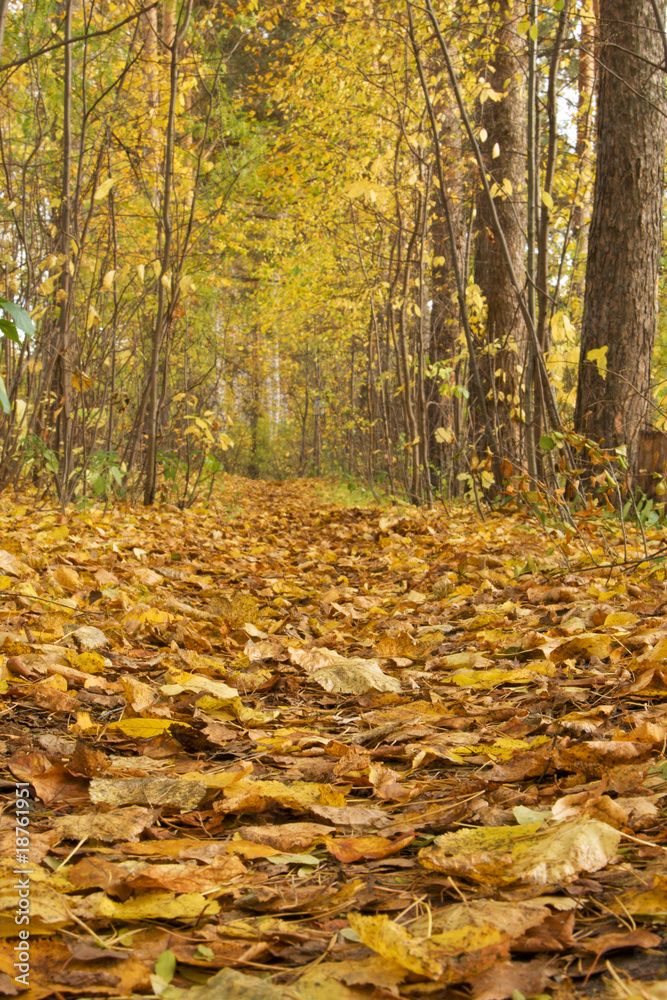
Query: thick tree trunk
{"x":626,"y":227}
{"x":504,"y":151}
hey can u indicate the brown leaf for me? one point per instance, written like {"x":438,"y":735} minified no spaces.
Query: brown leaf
{"x":187,"y":877}
{"x":183,"y":795}
{"x":638,"y":938}
{"x":504,"y":979}
{"x":67,"y":578}
{"x":596,"y":757}
{"x":108,"y":827}
{"x":356,"y":817}
{"x":52,"y":783}
{"x":12,"y":566}
{"x":553,"y":934}
{"x":387,"y":785}
{"x":349,"y":849}
{"x":285,"y":837}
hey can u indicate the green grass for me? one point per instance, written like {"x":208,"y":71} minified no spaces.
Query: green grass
{"x":348,"y":493}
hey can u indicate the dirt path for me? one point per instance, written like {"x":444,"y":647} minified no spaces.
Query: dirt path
{"x":321,"y":752}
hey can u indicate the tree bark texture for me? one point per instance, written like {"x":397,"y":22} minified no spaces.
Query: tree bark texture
{"x":625,"y":241}
{"x":504,"y":152}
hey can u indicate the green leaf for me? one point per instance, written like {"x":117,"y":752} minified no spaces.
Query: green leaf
{"x":9,"y":330}
{"x":4,"y":398}
{"x":547,"y":443}
{"x":558,"y":6}
{"x":204,"y":952}
{"x":166,"y":966}
{"x":533,"y":32}
{"x":20,"y":316}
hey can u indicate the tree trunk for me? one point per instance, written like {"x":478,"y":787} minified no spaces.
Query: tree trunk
{"x":166,"y":293}
{"x":66,"y":353}
{"x":581,"y":208}
{"x":444,"y":347}
{"x":626,"y":227}
{"x":504,"y":152}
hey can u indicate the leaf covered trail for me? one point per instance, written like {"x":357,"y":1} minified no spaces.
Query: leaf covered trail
{"x":286,"y":750}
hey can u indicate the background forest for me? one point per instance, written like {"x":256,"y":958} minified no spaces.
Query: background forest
{"x":416,"y":243}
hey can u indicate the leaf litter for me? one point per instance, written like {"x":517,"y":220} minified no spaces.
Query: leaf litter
{"x":279,"y":748}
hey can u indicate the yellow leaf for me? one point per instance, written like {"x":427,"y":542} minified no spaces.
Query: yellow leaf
{"x":159,"y":906}
{"x":137,"y":694}
{"x":621,"y":618}
{"x":249,"y":849}
{"x":484,"y":680}
{"x":83,"y":723}
{"x":467,"y":659}
{"x":582,"y":647}
{"x":143,"y":729}
{"x":644,"y":902}
{"x":394,"y":942}
{"x":156,"y":616}
{"x":90,"y":663}
{"x":524,"y":855}
{"x":599,"y":356}
{"x":104,"y":188}
{"x":221,"y":779}
{"x":251,"y":795}
{"x":193,"y":682}
{"x":81,"y":381}
{"x":547,"y":200}
{"x":186,"y":284}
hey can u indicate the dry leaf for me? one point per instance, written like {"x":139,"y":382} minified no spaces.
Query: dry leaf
{"x":524,"y":855}
{"x":154,"y":792}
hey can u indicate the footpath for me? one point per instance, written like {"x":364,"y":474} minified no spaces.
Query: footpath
{"x":284,"y":749}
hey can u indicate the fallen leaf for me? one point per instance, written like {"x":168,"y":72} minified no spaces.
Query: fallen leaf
{"x":154,"y":792}
{"x":122,"y":824}
{"x":348,"y":849}
{"x":524,"y":855}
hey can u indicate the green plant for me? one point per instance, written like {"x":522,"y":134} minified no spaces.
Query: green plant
{"x":19,"y":321}
{"x":105,"y":473}
{"x":644,"y":511}
{"x":39,"y":458}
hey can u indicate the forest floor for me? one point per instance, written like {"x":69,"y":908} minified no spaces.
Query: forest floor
{"x":284,"y":749}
